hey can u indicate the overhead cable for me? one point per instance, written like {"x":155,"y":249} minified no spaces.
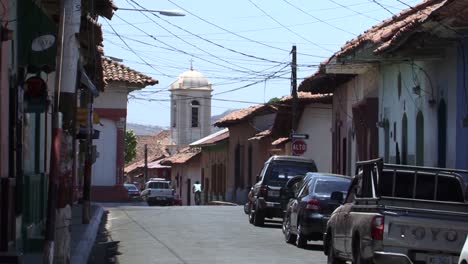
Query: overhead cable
{"x":287,"y":28}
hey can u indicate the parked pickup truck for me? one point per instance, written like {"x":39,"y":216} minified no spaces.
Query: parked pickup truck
{"x":399,"y":214}
{"x":158,"y":192}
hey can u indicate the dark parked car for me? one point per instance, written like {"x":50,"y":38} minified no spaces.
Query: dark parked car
{"x":310,"y":208}
{"x":264,"y":199}
{"x":133,"y":192}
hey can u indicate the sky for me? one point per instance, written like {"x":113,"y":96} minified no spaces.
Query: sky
{"x":242,"y":47}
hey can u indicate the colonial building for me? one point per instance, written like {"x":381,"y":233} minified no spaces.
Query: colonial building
{"x":111,"y":106}
{"x":190,"y":109}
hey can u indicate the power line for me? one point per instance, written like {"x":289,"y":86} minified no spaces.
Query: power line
{"x":232,"y":58}
{"x":379,"y":4}
{"x":236,"y":34}
{"x":438,"y":22}
{"x":191,"y":44}
{"x":207,"y":40}
{"x":288,"y":29}
{"x":350,"y":9}
{"x":248,"y":85}
{"x":179,"y":50}
{"x":318,"y":19}
{"x":134,"y":51}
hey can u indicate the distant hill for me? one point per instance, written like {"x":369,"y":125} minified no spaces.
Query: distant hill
{"x":147,"y":130}
{"x":143,"y":130}
{"x":216,"y":117}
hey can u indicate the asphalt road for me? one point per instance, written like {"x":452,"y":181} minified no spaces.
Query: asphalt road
{"x":200,"y":234}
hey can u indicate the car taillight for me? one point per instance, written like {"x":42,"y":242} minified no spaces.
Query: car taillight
{"x":377,"y":227}
{"x":263,"y":192}
{"x":313,"y":204}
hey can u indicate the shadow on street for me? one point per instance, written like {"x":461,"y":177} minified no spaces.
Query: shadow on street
{"x":104,"y":250}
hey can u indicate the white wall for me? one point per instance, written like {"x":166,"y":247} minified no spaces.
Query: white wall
{"x":104,"y":170}
{"x":316,"y":122}
{"x":437,"y":81}
{"x":113,"y":97}
{"x":191,"y":171}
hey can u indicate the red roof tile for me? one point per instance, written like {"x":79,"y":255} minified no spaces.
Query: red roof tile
{"x":261,"y":135}
{"x":389,"y":35}
{"x":305,"y":97}
{"x":117,"y":72}
{"x":243,"y":114}
{"x":280,"y":141}
{"x":389,"y":32}
{"x":182,"y":156}
{"x":213,"y":138}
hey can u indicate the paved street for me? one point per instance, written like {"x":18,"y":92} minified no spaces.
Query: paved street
{"x":200,"y":234}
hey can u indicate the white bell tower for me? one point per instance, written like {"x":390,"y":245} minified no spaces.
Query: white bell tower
{"x":190,"y":108}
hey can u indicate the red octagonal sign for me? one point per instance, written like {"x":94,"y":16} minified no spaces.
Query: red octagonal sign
{"x":299,"y":147}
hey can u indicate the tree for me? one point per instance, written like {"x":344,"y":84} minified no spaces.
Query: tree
{"x":274,"y":101}
{"x":130,"y":145}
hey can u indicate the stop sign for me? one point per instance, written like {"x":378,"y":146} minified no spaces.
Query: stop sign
{"x":298,"y":147}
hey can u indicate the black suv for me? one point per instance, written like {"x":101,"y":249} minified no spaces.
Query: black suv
{"x":265,"y":199}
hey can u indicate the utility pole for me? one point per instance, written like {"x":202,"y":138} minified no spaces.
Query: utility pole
{"x":146,"y":163}
{"x":294,"y":89}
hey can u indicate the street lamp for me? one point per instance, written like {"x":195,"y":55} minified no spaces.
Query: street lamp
{"x":173,"y":12}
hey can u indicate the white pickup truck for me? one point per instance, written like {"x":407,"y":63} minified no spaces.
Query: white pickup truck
{"x":399,"y":214}
{"x":158,"y":192}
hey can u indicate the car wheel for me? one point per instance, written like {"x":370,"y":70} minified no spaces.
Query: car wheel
{"x":251,"y":216}
{"x":331,"y":258}
{"x":259,"y":218}
{"x":301,"y":240}
{"x":357,"y":258}
{"x":288,"y":236}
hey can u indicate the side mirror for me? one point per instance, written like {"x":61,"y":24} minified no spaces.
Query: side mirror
{"x":337,"y":197}
{"x":257,"y":178}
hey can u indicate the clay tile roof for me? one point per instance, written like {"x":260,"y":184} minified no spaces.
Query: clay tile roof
{"x":261,"y":135}
{"x":280,"y":141}
{"x":212,"y":139}
{"x":157,"y":165}
{"x":305,"y":97}
{"x":243,"y":114}
{"x":387,"y":33}
{"x":117,"y":72}
{"x":182,"y":156}
{"x":141,"y":163}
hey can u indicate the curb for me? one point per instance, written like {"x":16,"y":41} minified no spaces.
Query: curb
{"x":84,"y":247}
{"x":221,"y":203}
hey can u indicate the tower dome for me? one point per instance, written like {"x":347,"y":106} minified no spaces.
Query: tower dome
{"x":191,"y":79}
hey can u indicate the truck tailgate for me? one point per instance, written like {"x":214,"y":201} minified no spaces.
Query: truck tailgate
{"x":161,"y":193}
{"x":411,"y":231}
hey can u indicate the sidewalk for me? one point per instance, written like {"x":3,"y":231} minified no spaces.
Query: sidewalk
{"x":82,"y":236}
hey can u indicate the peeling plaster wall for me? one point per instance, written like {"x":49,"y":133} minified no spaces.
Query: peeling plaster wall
{"x":438,"y":81}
